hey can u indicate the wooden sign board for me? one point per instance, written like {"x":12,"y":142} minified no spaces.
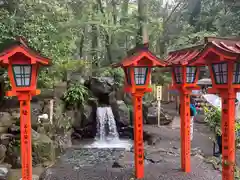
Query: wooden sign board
{"x":159,"y":98}
{"x":159,"y":93}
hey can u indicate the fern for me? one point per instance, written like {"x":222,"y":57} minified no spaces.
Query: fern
{"x":77,"y":94}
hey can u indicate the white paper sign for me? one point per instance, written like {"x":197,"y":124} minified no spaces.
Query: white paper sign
{"x":159,"y":93}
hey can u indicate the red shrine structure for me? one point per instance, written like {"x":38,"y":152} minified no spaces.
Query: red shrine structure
{"x":137,"y":67}
{"x":222,"y":56}
{"x":185,"y":77}
{"x":23,"y":64}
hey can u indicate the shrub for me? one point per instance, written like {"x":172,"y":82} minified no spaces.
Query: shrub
{"x":213,"y":118}
{"x":76,"y":95}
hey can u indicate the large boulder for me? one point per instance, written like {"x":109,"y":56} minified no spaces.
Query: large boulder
{"x":122,"y":113}
{"x":3,"y":151}
{"x":128,"y":98}
{"x":84,"y":120}
{"x":101,"y":87}
{"x":4,"y":171}
{"x":5,"y":121}
{"x":43,"y":148}
{"x":152,"y":115}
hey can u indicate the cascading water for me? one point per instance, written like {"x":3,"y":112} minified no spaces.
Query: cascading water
{"x":107,"y":135}
{"x":106,"y":125}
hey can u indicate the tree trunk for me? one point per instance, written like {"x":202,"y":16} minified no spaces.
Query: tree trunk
{"x":123,"y":20}
{"x":114,"y":11}
{"x":195,"y":10}
{"x":94,"y":35}
{"x":81,"y":43}
{"x":107,"y":38}
{"x":141,"y":21}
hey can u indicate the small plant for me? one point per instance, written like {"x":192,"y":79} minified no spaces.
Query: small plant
{"x":213,"y":118}
{"x":76,"y":95}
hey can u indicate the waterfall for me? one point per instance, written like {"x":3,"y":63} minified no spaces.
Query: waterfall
{"x":107,"y":135}
{"x":106,"y":125}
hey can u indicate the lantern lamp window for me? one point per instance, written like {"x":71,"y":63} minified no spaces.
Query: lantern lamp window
{"x":220,"y":73}
{"x":178,"y":74}
{"x":140,"y":74}
{"x":236,"y":73}
{"x":191,"y":74}
{"x":22,"y":75}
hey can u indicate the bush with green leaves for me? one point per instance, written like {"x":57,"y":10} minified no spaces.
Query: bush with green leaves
{"x":116,"y":73}
{"x":76,"y":95}
{"x":213,"y":118}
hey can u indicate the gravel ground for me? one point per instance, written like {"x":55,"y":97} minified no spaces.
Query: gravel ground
{"x":161,"y":171}
{"x":162,"y":160}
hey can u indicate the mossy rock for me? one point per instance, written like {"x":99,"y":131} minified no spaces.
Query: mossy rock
{"x":43,"y":149}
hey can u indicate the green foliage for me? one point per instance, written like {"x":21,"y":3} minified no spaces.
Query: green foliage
{"x":61,"y":68}
{"x":148,"y":97}
{"x":116,"y":73}
{"x":213,"y":118}
{"x":101,"y":33}
{"x":161,"y":78}
{"x":76,"y":95}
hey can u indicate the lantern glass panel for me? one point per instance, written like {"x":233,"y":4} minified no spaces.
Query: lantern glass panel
{"x":178,"y":74}
{"x":236,"y":73}
{"x":140,"y":75}
{"x":128,"y":75}
{"x":22,"y":75}
{"x":191,"y":74}
{"x":220,"y":73}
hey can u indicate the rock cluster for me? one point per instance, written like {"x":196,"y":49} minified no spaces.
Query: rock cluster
{"x":82,"y":121}
{"x":105,"y":94}
{"x":43,"y":147}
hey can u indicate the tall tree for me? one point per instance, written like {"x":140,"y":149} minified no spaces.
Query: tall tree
{"x":142,"y":20}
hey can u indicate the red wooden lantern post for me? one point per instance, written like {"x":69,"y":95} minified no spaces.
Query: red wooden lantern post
{"x":222,"y":58}
{"x":23,"y":64}
{"x":184,"y":78}
{"x":137,"y":67}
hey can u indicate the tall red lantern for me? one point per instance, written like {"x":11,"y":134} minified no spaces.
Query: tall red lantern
{"x":222,"y":57}
{"x":185,"y":77}
{"x":23,"y":64}
{"x":137,"y":67}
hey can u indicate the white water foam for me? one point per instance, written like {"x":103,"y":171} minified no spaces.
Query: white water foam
{"x":107,"y":134}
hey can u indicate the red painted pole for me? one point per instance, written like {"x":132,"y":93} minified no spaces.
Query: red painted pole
{"x":26,"y":133}
{"x":228,"y":135}
{"x":185,"y":132}
{"x":138,"y":136}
